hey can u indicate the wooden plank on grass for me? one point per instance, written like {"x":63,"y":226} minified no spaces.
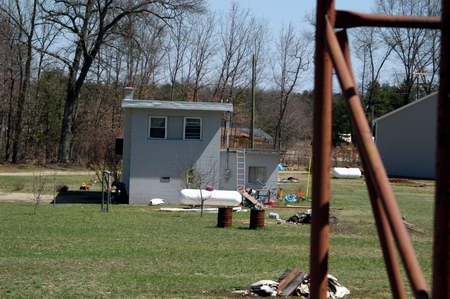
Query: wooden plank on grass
{"x":250,"y":198}
{"x":293,"y":284}
{"x":287,"y":279}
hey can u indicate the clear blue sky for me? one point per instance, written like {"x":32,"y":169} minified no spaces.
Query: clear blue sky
{"x":278,"y":12}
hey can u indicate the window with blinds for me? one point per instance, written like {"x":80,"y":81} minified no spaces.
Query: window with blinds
{"x":192,"y":128}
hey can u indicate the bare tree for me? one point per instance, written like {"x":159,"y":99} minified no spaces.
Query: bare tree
{"x":144,"y":54}
{"x":259,"y":48}
{"x":298,"y":121}
{"x":44,"y":106}
{"x":291,"y":62}
{"x":201,"y":176}
{"x":176,"y":52}
{"x":373,"y":52}
{"x":415,"y":48}
{"x":87,"y":25}
{"x":234,"y":60}
{"x":39,"y":181}
{"x":8,"y":84}
{"x":242,"y":36}
{"x":427,"y":80}
{"x":23,"y":16}
{"x":200,"y":55}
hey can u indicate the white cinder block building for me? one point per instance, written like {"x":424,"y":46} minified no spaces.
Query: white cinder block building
{"x":163,"y":140}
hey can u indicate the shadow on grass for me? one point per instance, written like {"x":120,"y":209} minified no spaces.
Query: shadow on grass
{"x":81,"y":197}
{"x":88,"y":197}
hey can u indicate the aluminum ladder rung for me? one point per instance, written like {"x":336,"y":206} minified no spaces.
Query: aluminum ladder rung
{"x":240,"y":168}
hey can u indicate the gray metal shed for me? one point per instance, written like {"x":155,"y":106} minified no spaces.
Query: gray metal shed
{"x":406,"y":139}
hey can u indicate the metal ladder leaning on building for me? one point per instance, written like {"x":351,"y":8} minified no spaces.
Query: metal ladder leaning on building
{"x":240,"y":168}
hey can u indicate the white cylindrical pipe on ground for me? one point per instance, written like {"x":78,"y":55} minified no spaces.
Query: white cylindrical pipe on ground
{"x":217,"y":198}
{"x":346,"y":173}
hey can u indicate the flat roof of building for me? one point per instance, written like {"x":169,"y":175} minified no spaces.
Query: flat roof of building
{"x":254,"y":150}
{"x":173,"y":105}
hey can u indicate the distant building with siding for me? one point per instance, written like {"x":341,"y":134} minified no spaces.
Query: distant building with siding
{"x":241,"y":138}
{"x":406,"y":139}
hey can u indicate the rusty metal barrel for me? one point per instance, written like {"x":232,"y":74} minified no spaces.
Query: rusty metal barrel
{"x":256,"y":218}
{"x":225,"y":217}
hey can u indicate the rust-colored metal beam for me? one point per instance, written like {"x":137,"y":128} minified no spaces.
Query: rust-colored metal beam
{"x":350,"y":19}
{"x":381,"y":222}
{"x":375,"y":166}
{"x":441,"y":249}
{"x":321,"y":156}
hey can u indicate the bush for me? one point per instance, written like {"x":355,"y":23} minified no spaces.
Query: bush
{"x":61,"y":188}
{"x":19,"y":186}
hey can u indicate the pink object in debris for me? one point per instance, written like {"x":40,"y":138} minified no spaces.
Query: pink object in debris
{"x":272,"y":203}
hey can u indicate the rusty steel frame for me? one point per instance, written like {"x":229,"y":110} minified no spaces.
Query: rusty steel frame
{"x":321,"y":158}
{"x":331,"y":45}
{"x":381,"y":222}
{"x":351,"y":19}
{"x":441,"y":250}
{"x":375,"y":169}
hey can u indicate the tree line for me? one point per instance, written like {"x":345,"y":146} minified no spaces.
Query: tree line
{"x":64,"y":64}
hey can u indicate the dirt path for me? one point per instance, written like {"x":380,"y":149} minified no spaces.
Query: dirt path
{"x":16,"y":196}
{"x":47,"y":173}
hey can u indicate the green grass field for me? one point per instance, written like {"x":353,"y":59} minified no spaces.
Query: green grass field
{"x":75,"y":251}
{"x":25,"y":183}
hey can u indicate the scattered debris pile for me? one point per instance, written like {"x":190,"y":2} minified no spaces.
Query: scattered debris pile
{"x":156,"y":202}
{"x":252,"y":201}
{"x":412,"y":227}
{"x":264,"y":288}
{"x":293,"y":283}
{"x":87,"y":186}
{"x":277,"y":217}
{"x":289,"y":180}
{"x":300,"y":218}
